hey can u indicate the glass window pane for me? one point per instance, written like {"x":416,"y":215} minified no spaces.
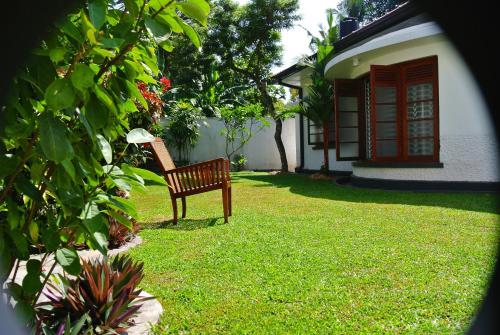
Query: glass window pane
{"x":385,"y":94}
{"x":386,"y":112}
{"x":348,"y":134}
{"x":387,"y":148}
{"x":348,"y":119}
{"x":348,"y":104}
{"x":349,"y":150}
{"x":386,"y":130}
{"x":420,"y":92}
{"x":420,"y":110}
{"x":421,"y":147}
{"x":420,"y":128}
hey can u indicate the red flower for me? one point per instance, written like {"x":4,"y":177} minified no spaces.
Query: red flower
{"x":166,"y":84}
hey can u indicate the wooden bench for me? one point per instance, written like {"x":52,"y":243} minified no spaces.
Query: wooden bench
{"x":193,"y":179}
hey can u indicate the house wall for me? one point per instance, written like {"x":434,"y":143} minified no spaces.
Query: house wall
{"x":468,"y":147}
{"x":313,"y":157}
{"x":261,"y":150}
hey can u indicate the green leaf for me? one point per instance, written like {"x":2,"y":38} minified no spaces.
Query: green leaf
{"x":95,"y":113}
{"x":123,"y":205}
{"x":97,"y":12}
{"x":105,"y":147}
{"x":160,"y":31}
{"x":134,"y":91}
{"x":26,"y":187}
{"x":32,"y":283}
{"x":89,"y":211}
{"x":8,"y":165}
{"x":195,"y":9}
{"x":75,"y":330}
{"x":82,"y":77}
{"x":139,"y":135}
{"x":21,"y":244}
{"x":111,"y":42}
{"x":122,"y":184}
{"x":145,"y":174}
{"x":105,"y":99}
{"x":57,"y":54}
{"x":60,"y":94}
{"x":33,"y":266}
{"x":69,"y":28}
{"x":88,"y":28}
{"x":69,"y":260}
{"x":190,"y":32}
{"x":33,"y":230}
{"x":50,"y":238}
{"x":167,"y":19}
{"x":167,"y":45}
{"x":70,"y":168}
{"x":120,"y":218}
{"x":55,"y":144}
{"x":132,"y":7}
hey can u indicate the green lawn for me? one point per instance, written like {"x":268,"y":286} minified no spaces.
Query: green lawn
{"x":303,"y":256}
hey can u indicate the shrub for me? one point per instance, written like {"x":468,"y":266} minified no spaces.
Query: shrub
{"x":120,"y":234}
{"x":104,"y":294}
{"x":239,"y":162}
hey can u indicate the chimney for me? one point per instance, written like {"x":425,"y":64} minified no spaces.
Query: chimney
{"x":347,"y":26}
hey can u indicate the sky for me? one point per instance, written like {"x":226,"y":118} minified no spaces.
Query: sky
{"x":296,"y":41}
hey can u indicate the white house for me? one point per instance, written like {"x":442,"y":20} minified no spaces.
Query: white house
{"x":408,"y":111}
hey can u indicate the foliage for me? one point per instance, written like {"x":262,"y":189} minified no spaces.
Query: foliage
{"x":105,"y":294}
{"x":65,"y":112}
{"x":319,"y":258}
{"x":246,"y":39}
{"x":239,"y":126}
{"x":366,"y":11}
{"x":317,"y":104}
{"x":239,"y":161}
{"x":183,"y":128}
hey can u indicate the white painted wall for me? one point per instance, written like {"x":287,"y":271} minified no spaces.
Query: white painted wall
{"x":261,"y":150}
{"x":468,"y":149}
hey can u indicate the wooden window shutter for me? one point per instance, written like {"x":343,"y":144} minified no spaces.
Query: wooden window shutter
{"x":385,"y":116}
{"x":420,"y":110}
{"x":349,"y":130}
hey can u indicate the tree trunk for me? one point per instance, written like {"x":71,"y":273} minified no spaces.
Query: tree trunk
{"x":326,"y":144}
{"x":267,"y":102}
{"x":281,"y":146}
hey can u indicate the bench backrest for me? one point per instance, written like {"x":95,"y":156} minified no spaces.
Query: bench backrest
{"x":162,"y":155}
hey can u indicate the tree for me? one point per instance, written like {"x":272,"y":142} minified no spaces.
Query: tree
{"x":66,"y":110}
{"x":246,"y":39}
{"x":239,"y":126}
{"x":317,"y":105}
{"x":366,"y":11}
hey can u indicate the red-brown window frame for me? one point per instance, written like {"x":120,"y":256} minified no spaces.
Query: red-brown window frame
{"x":402,"y":119}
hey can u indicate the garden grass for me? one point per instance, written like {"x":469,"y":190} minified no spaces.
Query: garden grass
{"x":302,"y":256}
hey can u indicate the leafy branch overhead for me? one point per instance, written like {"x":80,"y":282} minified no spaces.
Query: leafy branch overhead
{"x":66,"y":112}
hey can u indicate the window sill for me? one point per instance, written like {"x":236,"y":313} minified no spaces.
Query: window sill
{"x":399,"y":165}
{"x":320,"y":146}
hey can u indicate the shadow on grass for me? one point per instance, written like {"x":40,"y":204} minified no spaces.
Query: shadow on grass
{"x":182,"y":224}
{"x":303,"y":185}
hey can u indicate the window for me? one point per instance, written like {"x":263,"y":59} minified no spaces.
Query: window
{"x":315,"y":133}
{"x":401,"y":121}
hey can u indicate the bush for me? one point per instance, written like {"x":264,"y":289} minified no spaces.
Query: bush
{"x":103,"y":297}
{"x":239,"y":162}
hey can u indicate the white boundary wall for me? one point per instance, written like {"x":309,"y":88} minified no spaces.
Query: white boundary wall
{"x":261,"y":150}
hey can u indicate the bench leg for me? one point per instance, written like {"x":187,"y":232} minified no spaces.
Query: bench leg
{"x":225,"y":200}
{"x":183,"y":199}
{"x":230,"y":201}
{"x":174,"y":207}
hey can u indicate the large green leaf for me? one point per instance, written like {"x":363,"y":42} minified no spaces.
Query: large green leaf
{"x":195,"y":9}
{"x":190,"y":32}
{"x":97,"y":12}
{"x":69,"y":260}
{"x":105,"y":148}
{"x":169,"y":20}
{"x":160,"y":31}
{"x":123,"y":205}
{"x":145,"y":174}
{"x":55,"y":144}
{"x":95,"y":112}
{"x":60,"y":94}
{"x":82,"y":77}
{"x":139,"y":135}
